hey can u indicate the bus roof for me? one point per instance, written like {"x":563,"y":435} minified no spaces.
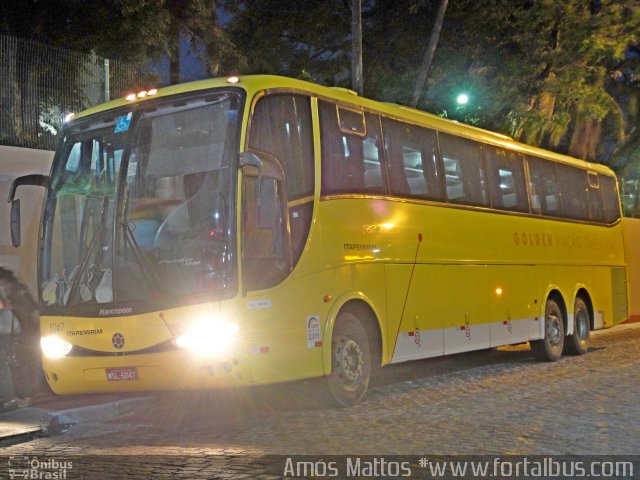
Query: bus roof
{"x":253,"y":84}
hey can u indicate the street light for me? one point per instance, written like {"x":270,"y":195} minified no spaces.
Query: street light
{"x":462,"y":99}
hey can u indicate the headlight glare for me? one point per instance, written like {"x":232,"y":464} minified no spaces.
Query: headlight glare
{"x":208,"y":337}
{"x":54,"y":347}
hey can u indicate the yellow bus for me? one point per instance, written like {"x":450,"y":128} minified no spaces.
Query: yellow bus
{"x":262,"y":229}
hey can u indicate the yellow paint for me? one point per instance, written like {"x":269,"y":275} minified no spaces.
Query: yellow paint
{"x":631,"y":228}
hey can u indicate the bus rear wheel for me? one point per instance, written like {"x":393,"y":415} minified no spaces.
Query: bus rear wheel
{"x":578,"y":343}
{"x":350,"y":361}
{"x":549,"y":348}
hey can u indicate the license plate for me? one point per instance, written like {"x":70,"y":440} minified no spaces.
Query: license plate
{"x":122,"y":374}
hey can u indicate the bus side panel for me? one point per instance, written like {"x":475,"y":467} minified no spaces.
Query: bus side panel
{"x":467,"y":326}
{"x":284,"y":325}
{"x":568,"y":280}
{"x":369,"y":281}
{"x":620,"y":301}
{"x":418,"y":332}
{"x":457,"y":308}
{"x":512,"y":304}
{"x":631,"y":232}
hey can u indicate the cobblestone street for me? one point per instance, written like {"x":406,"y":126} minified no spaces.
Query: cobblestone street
{"x":498,"y":402}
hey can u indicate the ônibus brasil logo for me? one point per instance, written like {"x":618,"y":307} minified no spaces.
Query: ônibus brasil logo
{"x":33,"y":467}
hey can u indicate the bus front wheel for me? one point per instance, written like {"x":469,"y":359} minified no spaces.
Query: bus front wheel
{"x":350,"y":361}
{"x":550,"y":347}
{"x":578,"y":343}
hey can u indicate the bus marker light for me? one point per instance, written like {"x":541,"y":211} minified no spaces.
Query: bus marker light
{"x":141,"y":94}
{"x":233,"y":79}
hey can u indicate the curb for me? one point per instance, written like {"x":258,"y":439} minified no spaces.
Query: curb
{"x":25,"y":424}
{"x":20,"y":437}
{"x":22,"y":425}
{"x":617,"y":328}
{"x":100,"y":411}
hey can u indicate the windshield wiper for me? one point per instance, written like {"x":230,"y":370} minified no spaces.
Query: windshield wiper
{"x":147,"y":269}
{"x":96,"y":240}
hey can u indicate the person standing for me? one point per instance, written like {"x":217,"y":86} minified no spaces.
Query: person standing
{"x":19,"y":342}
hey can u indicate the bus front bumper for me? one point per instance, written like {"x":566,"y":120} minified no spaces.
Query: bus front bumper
{"x":173,"y":370}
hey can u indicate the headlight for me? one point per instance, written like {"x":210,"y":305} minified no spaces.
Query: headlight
{"x":54,"y":347}
{"x":209,"y":337}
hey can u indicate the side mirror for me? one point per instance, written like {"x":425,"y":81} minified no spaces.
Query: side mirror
{"x":15,"y":223}
{"x":251,"y":164}
{"x":37,"y":180}
{"x":267,"y":171}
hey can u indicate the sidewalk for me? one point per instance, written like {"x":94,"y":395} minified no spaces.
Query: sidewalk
{"x":50,"y":414}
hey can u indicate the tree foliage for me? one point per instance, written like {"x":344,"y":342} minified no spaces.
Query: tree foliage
{"x":306,"y":39}
{"x":562,"y":75}
{"x":129,"y":30}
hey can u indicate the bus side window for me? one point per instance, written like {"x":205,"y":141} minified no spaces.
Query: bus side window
{"x":464,"y":170}
{"x":413,"y":160}
{"x":281,"y":125}
{"x":594,"y":195}
{"x":352,"y":161}
{"x":573,"y":191}
{"x":610,"y":198}
{"x":507,"y":185}
{"x":545,"y":198}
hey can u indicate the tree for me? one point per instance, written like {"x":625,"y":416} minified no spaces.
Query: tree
{"x":132,"y":31}
{"x":129,"y":30}
{"x":197,"y":20}
{"x":539,"y":70}
{"x":572,"y":104}
{"x":306,"y":39}
{"x":428,"y":55}
{"x":356,"y":46}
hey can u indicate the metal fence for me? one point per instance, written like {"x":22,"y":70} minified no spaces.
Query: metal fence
{"x":40,"y":84}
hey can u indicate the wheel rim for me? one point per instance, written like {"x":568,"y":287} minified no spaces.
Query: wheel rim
{"x":349,"y":362}
{"x":582,"y":325}
{"x":554,"y":329}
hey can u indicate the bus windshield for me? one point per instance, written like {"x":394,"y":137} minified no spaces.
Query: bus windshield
{"x":142,"y":204}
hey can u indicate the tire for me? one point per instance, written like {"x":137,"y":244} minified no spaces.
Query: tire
{"x":351,"y":361}
{"x":549,"y":349}
{"x":578,"y":343}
